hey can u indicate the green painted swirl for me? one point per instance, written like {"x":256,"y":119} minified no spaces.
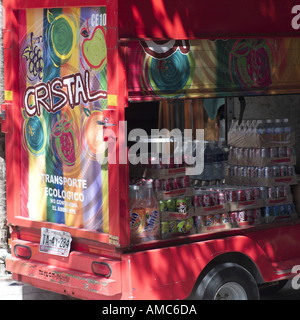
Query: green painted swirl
{"x":62,"y":34}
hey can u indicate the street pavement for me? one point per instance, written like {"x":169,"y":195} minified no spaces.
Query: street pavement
{"x":286,"y":293}
{"x":13,"y":290}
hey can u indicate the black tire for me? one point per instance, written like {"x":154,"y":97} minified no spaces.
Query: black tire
{"x":227,"y":281}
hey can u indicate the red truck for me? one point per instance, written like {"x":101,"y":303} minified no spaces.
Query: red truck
{"x":74,"y":74}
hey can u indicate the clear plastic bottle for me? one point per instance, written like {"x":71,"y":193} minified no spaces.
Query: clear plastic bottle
{"x":269,"y":126}
{"x":137,"y":216}
{"x":234,"y":126}
{"x":260,"y":127}
{"x":217,"y":161}
{"x":286,"y":126}
{"x":152,"y":214}
{"x":225,"y":153}
{"x":208,"y":170}
{"x":247,"y":126}
{"x":251,"y":127}
{"x":278,"y":126}
{"x":131,"y":195}
{"x":242,"y":127}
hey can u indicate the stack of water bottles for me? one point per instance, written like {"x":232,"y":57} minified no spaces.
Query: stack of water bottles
{"x":261,"y":126}
{"x":215,"y":163}
{"x":261,"y":133}
{"x":273,"y":140}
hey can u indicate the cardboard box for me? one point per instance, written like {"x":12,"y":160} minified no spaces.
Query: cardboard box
{"x":167,"y":215}
{"x":259,"y":203}
{"x":246,"y":205}
{"x":280,"y":218}
{"x":225,"y":226}
{"x":262,"y":162}
{"x":175,"y":228}
{"x":264,"y":182}
{"x":217,"y":223}
{"x":183,"y":192}
{"x":278,"y":201}
{"x":248,"y":221}
{"x":220,"y":208}
{"x":261,"y":140}
{"x":244,"y":224}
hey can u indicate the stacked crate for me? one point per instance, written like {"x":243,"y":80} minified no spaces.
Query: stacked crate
{"x":267,"y":161}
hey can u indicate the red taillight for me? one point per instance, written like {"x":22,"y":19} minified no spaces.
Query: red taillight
{"x":22,"y":251}
{"x":101,"y":269}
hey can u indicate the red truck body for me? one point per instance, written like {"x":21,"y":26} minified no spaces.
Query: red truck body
{"x":102,"y":264}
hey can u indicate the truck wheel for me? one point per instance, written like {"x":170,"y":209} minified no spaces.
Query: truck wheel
{"x":227,"y":281}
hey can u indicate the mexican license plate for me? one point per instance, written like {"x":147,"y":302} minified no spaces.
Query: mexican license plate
{"x":55,"y":242}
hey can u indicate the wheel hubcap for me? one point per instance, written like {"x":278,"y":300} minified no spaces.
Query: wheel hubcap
{"x":231,"y":291}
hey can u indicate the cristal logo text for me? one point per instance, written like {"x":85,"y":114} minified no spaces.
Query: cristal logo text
{"x":70,"y":90}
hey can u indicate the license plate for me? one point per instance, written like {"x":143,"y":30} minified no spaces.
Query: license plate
{"x":55,"y":242}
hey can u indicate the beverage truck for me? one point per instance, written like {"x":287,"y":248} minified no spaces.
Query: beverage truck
{"x":134,"y":168}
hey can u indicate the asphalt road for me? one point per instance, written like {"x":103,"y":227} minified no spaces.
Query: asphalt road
{"x":286,"y":293}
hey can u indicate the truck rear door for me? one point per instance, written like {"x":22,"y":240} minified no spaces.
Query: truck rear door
{"x":63,"y":199}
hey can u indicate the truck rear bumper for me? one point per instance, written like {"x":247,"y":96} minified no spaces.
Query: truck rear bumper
{"x":56,"y":277}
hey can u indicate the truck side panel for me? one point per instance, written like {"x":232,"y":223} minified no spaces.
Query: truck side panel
{"x":169,"y":272}
{"x":172,"y":272}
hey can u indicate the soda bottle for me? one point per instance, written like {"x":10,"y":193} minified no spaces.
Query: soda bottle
{"x":137,"y":216}
{"x":152,"y":214}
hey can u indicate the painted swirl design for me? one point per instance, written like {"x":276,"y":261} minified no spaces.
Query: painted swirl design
{"x":35,"y":135}
{"x":250,"y":64}
{"x":62,"y":37}
{"x":171,"y":75}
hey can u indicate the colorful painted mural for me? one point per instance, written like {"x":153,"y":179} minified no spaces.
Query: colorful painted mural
{"x":63,"y":91}
{"x":212,"y":68}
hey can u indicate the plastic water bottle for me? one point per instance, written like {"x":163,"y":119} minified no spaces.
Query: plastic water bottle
{"x":233,"y":125}
{"x":251,"y":127}
{"x":225,"y":154}
{"x":242,"y":127}
{"x":278,"y":126}
{"x":208,"y":171}
{"x":286,"y":126}
{"x":260,"y":127}
{"x":269,"y":126}
{"x":217,"y":162}
{"x":247,"y":126}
